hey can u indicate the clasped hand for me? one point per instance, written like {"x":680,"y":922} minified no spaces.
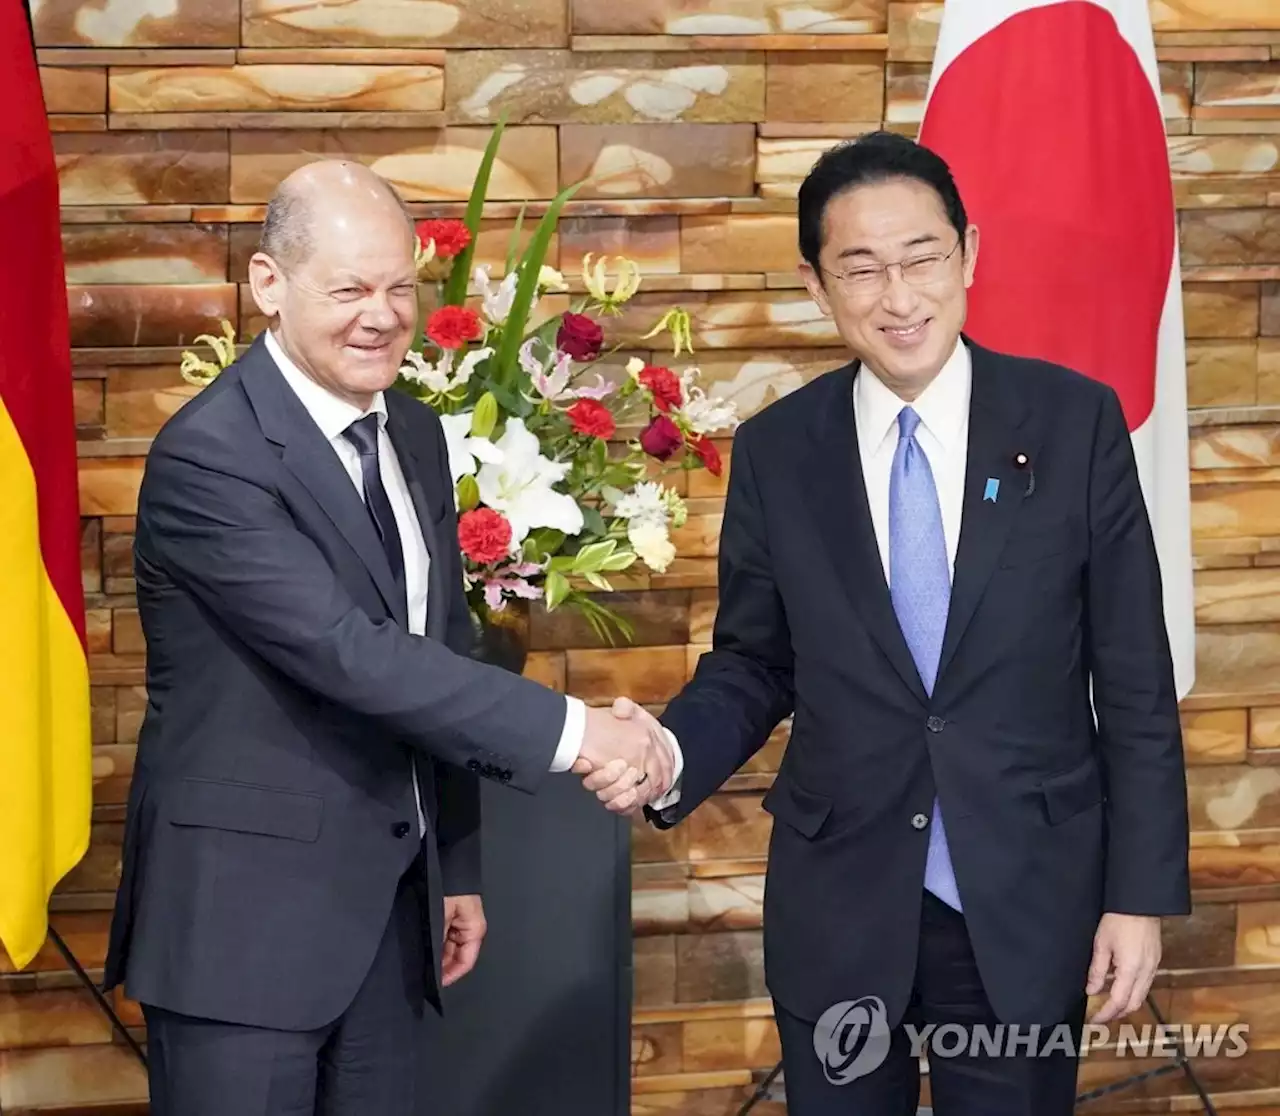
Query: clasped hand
{"x":626,"y":759}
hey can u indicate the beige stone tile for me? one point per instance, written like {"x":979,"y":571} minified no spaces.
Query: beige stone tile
{"x":131,"y":707}
{"x":723,"y":966}
{"x":722,"y":1044}
{"x":651,"y":242}
{"x":1215,"y":735}
{"x":99,"y":870}
{"x":1258,"y":934}
{"x":1264,"y":727}
{"x":1175,"y":90}
{"x":1269,"y":324}
{"x":70,"y":1077}
{"x":654,"y":979}
{"x":731,"y":903}
{"x":906,"y":84}
{"x":1218,"y":867}
{"x":746,"y":242}
{"x":404,"y":23}
{"x":1234,"y":511}
{"x":913,"y":31}
{"x":753,"y":379}
{"x":1207,"y":936}
{"x":141,"y":399}
{"x":147,"y":254}
{"x":148,"y":315}
{"x":275,"y":88}
{"x":73,"y":89}
{"x":1240,"y":658}
{"x":1256,"y":1004}
{"x":808,"y":87}
{"x":112,"y":773}
{"x":1269,"y":370}
{"x":109,"y":485}
{"x":1221,"y":373}
{"x":176,"y":23}
{"x":102,"y":710}
{"x":87,"y":399}
{"x":562,"y":86}
{"x":736,"y":320}
{"x":1241,"y":90}
{"x":1220,"y":309}
{"x":1207,"y":156}
{"x":1213,"y":15}
{"x":436,"y":165}
{"x":1230,"y":237}
{"x":661,"y":907}
{"x":1235,"y":447}
{"x":1238,"y":596}
{"x":142,"y":169}
{"x":728,"y":17}
{"x":728,"y":826}
{"x":658,"y":160}
{"x":645,"y":674}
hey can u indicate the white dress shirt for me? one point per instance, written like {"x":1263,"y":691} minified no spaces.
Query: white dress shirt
{"x":943,"y":434}
{"x":333,"y":415}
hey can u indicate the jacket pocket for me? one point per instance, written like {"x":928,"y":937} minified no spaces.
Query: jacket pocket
{"x":803,"y":810}
{"x":1033,"y":546}
{"x":246,"y":808}
{"x":1071,"y":792}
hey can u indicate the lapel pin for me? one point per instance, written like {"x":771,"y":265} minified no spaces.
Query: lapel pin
{"x":1022,"y":461}
{"x":993,"y":486}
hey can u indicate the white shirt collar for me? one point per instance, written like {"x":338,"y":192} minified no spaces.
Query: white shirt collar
{"x":943,"y":406}
{"x":331,"y":414}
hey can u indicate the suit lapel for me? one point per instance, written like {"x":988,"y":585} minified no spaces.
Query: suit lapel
{"x":998,"y":433}
{"x":838,"y":491}
{"x":406,"y":448}
{"x":309,"y":456}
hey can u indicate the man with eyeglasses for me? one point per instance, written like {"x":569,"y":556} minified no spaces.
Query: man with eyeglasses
{"x":938,"y":561}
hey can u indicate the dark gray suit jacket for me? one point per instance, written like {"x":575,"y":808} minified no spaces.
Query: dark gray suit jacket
{"x":272,"y":812}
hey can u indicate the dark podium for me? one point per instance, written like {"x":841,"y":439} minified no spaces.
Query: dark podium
{"x":541,"y":1026}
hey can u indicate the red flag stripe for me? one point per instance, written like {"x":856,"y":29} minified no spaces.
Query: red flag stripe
{"x":35,"y":364}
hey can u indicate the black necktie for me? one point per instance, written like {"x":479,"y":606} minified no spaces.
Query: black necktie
{"x":363,"y":434}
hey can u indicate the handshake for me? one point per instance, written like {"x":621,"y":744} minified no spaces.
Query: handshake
{"x":627,"y":759}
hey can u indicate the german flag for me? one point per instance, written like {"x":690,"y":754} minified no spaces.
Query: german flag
{"x":46,"y":784}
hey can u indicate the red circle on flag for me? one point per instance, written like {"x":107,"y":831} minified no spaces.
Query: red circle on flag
{"x":1057,"y":143}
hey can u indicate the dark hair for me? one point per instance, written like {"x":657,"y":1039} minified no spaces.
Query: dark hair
{"x":875,"y":157}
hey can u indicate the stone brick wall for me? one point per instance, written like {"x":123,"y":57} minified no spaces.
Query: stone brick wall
{"x":695,"y":120}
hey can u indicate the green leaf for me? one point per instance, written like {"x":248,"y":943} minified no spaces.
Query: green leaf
{"x":542,"y":543}
{"x":485,"y":417}
{"x":620,"y":561}
{"x":455,"y":290}
{"x":515,"y":240}
{"x":594,"y":521}
{"x":592,"y":556}
{"x":557,"y":587}
{"x":530,"y":265}
{"x":599,"y":582}
{"x":468,"y":493}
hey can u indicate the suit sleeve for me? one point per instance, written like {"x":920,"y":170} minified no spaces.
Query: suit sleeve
{"x":207,"y":516}
{"x":744,"y":686}
{"x":1140,"y":737}
{"x":458,"y":810}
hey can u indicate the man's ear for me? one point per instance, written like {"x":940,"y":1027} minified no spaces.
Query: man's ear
{"x":267,"y":282}
{"x":813,"y":283}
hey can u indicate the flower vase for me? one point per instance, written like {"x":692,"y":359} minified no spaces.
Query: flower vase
{"x":502,"y":636}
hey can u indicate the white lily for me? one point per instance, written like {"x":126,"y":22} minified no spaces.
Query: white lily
{"x":440,"y":377}
{"x":497,"y":300}
{"x":520,"y":486}
{"x":465,"y":450}
{"x":705,"y":413}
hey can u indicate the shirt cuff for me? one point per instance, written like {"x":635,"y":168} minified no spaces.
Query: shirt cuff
{"x":673,"y":795}
{"x":575,"y":727}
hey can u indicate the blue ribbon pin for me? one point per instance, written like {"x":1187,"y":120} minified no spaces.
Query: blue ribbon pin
{"x":993,"y":486}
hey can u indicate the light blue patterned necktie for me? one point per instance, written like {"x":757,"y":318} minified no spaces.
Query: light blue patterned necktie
{"x":920,"y":585}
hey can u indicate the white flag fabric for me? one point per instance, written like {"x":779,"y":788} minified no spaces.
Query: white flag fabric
{"x":1050,"y":117}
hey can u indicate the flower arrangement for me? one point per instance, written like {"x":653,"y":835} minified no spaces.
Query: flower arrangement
{"x":551,"y":499}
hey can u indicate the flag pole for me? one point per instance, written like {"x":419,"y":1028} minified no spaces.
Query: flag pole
{"x":102,"y":1001}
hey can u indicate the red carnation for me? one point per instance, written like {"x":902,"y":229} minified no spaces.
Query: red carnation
{"x":450,"y":236}
{"x":580,"y":337}
{"x":708,"y":453}
{"x":593,"y":418}
{"x":661,"y":438}
{"x":451,"y":327}
{"x":665,"y":386}
{"x":484,"y":535}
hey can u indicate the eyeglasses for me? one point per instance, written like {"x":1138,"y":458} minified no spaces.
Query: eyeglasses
{"x":918,"y":271}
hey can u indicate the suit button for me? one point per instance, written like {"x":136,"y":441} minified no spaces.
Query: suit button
{"x":934,"y":724}
{"x":920,"y":821}
{"x":400,"y":829}
{"x":473,"y":765}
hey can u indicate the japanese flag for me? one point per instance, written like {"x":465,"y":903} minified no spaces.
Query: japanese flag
{"x":1050,"y":117}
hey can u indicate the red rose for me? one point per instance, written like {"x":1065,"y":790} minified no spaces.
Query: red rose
{"x":591,"y":417}
{"x":661,"y":438}
{"x":451,"y":327}
{"x":708,"y":453}
{"x":580,"y":337}
{"x":665,"y":386}
{"x":450,"y":236}
{"x":484,"y":535}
